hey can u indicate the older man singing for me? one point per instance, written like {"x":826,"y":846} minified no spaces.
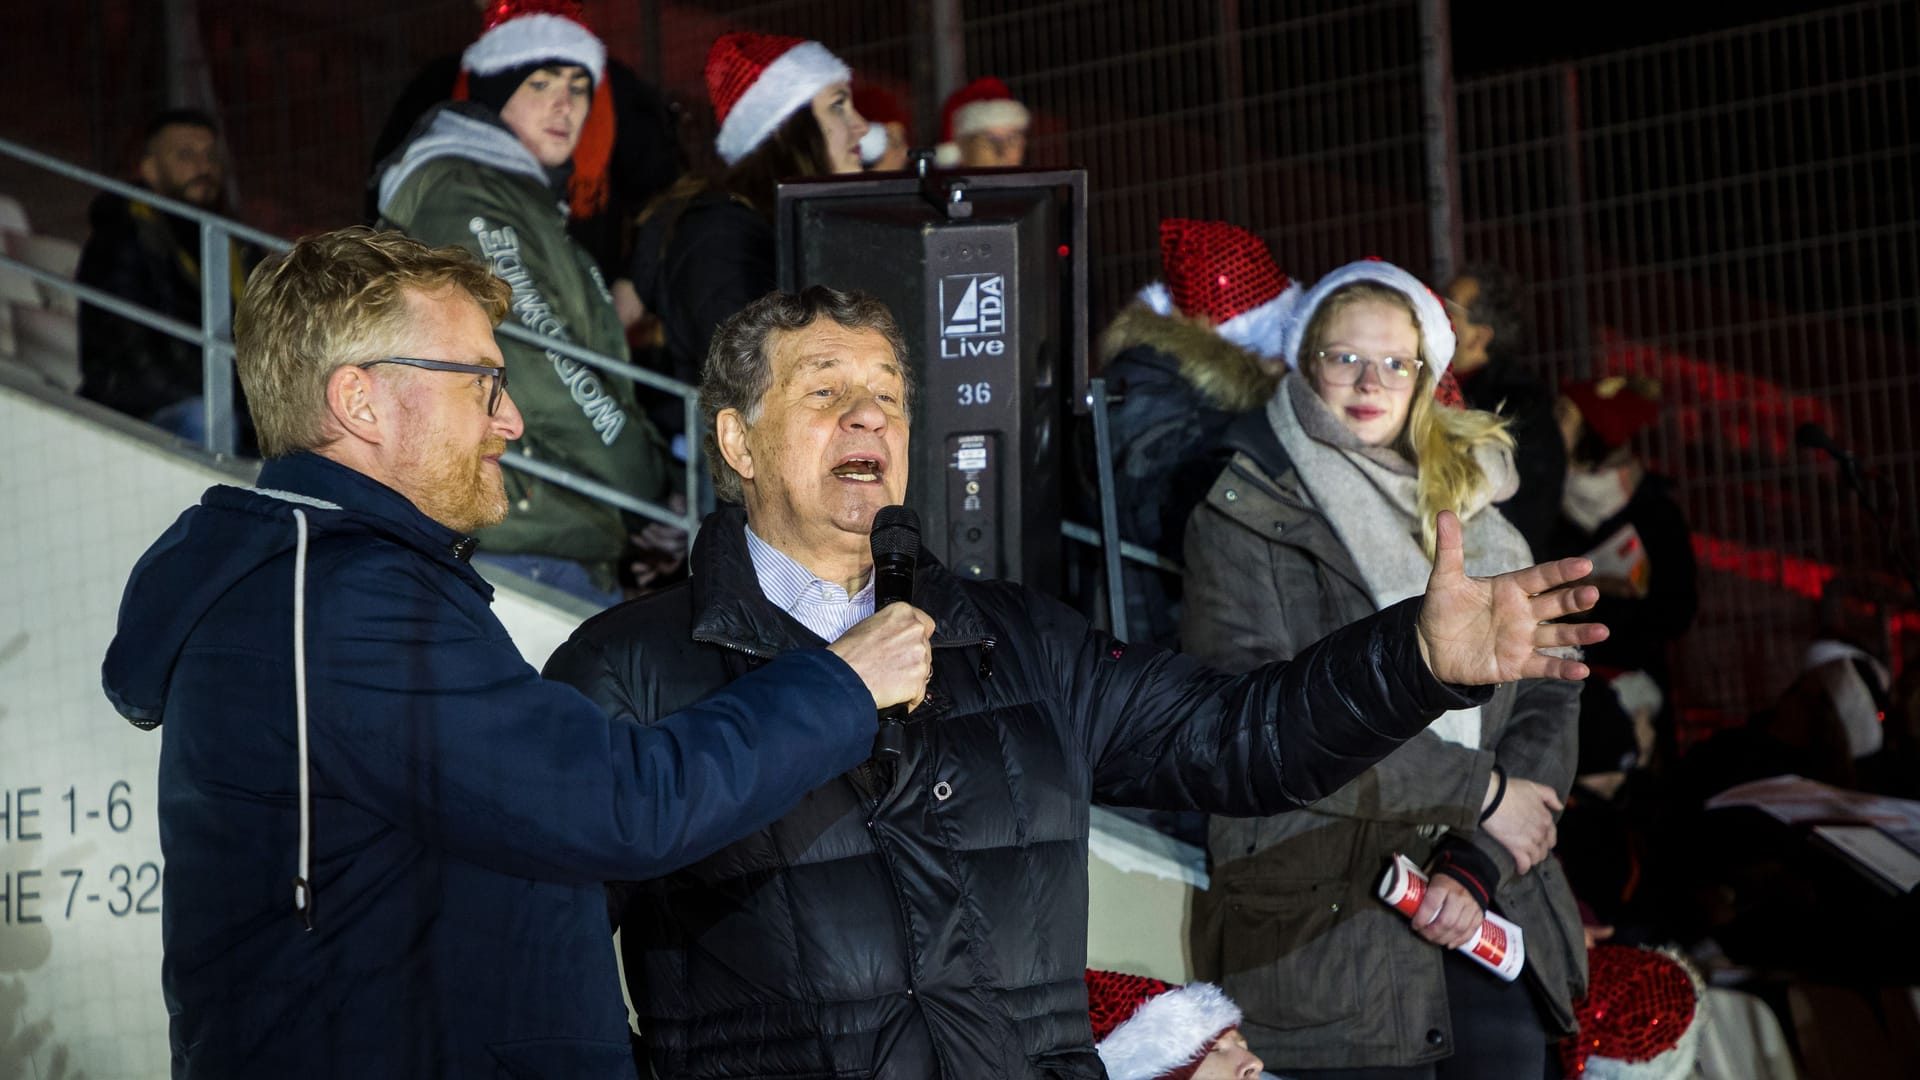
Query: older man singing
{"x":930,"y":919}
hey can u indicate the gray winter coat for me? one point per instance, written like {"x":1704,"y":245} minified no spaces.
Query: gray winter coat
{"x":1291,"y":928}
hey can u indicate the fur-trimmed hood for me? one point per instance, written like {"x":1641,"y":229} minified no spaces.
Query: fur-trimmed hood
{"x":1226,"y":374}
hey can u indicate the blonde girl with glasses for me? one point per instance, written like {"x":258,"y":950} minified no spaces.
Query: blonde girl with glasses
{"x":1323,"y":515}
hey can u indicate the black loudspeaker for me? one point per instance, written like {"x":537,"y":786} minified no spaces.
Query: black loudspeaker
{"x":986,"y":273}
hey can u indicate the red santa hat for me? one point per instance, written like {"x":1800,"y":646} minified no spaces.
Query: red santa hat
{"x":755,"y":81}
{"x":1224,"y":274}
{"x":981,"y":104}
{"x":517,"y":33}
{"x":1642,"y":1017}
{"x":1437,"y":339}
{"x":1145,"y":1029}
{"x":1615,"y":408}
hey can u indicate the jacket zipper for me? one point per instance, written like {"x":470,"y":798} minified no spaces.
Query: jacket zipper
{"x":865,"y":784}
{"x":757,"y":654}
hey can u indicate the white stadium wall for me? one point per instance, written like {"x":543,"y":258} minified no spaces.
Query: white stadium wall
{"x":84,"y":493}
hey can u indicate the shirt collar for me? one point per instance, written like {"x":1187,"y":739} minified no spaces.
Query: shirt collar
{"x":789,"y":585}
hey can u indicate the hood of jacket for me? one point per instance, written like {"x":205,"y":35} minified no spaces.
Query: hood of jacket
{"x":1224,"y":373}
{"x":471,"y":132}
{"x":230,"y":535}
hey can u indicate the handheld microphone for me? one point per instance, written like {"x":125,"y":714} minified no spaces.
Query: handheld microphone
{"x":896,"y":549}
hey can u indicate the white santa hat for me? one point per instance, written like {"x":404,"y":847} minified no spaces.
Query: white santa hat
{"x":521,"y":32}
{"x":1436,"y":329}
{"x":1145,"y":1029}
{"x":755,"y":81}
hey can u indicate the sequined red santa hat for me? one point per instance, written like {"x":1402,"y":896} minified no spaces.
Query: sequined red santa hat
{"x":980,"y":105}
{"x":1641,"y":1019}
{"x":1145,"y":1029}
{"x":1437,"y":339}
{"x":755,"y":81}
{"x":1224,"y":274}
{"x":519,"y":33}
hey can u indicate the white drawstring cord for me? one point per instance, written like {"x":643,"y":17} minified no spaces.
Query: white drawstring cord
{"x":302,"y":887}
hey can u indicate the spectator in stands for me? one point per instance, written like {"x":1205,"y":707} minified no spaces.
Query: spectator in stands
{"x":384,"y":833}
{"x":889,"y":140}
{"x":1491,"y":315}
{"x":927,"y":917}
{"x":489,"y":174}
{"x":1145,"y":1029}
{"x":705,"y":251}
{"x":1324,"y":516}
{"x":626,"y":156}
{"x":1647,"y":584}
{"x":1617,"y":835}
{"x":1186,"y":357}
{"x":983,"y":127}
{"x":149,"y":257}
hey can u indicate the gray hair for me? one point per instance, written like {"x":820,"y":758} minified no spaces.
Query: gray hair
{"x":739,"y":366}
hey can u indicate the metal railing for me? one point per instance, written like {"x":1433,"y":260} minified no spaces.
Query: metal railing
{"x":214,"y":336}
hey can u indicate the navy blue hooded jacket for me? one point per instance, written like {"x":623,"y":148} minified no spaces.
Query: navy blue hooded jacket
{"x":463,"y":810}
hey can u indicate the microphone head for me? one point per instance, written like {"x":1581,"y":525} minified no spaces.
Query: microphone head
{"x":896,"y":533}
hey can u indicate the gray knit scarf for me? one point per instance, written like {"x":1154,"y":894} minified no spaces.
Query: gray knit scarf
{"x":1370,"y":497}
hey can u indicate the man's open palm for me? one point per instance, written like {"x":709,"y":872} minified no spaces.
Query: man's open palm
{"x":1479,"y":631}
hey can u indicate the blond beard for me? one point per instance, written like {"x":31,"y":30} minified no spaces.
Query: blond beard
{"x":457,"y":492}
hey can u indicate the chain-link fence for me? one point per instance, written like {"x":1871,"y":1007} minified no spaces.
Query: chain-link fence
{"x":1734,"y":214}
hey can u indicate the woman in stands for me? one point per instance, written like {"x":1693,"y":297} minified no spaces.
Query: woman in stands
{"x":705,"y":250}
{"x":1326,"y":513}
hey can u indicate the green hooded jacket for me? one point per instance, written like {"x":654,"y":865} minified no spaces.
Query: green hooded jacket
{"x":465,"y":179}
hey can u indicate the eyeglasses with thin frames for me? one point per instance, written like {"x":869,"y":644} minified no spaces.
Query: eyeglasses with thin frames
{"x":499,"y":374}
{"x":1345,"y":368}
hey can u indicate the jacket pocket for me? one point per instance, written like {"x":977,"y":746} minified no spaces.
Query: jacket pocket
{"x":561,"y":1059}
{"x":1288,"y":954}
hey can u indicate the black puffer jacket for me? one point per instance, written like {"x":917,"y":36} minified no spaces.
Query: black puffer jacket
{"x":936,"y":926}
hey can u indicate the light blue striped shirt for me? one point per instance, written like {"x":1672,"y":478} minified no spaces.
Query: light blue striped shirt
{"x":820,"y":606}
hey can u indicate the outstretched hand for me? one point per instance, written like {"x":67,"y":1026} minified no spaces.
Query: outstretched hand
{"x":1480,"y":631}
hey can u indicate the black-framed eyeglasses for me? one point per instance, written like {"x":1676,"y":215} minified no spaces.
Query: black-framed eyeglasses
{"x":499,"y":373}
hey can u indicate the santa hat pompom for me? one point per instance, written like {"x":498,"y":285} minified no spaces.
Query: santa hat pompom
{"x":879,"y":107}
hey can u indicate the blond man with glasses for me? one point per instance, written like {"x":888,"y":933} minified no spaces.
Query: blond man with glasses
{"x":384,"y":832}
